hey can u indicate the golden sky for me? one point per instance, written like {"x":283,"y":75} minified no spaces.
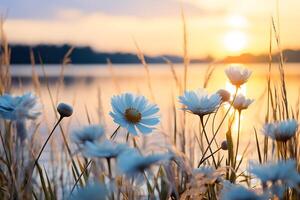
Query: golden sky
{"x":215,"y":27}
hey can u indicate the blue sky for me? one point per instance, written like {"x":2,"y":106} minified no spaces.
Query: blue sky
{"x":216,"y":27}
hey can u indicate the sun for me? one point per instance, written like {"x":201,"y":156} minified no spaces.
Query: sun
{"x":235,"y":41}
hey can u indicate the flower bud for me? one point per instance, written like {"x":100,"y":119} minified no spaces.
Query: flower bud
{"x":64,"y":110}
{"x":224,"y":94}
{"x":241,"y":102}
{"x":224,"y":145}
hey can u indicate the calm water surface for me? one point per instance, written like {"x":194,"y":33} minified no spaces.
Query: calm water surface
{"x":89,"y":89}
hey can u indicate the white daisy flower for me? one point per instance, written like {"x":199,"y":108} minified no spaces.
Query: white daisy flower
{"x":92,"y":191}
{"x":132,"y":162}
{"x":237,"y":76}
{"x":106,"y":149}
{"x":134,"y":113}
{"x":199,"y":102}
{"x":241,"y":102}
{"x":281,"y":131}
{"x":237,"y":192}
{"x":91,"y":133}
{"x":282,"y":171}
{"x":19,"y":107}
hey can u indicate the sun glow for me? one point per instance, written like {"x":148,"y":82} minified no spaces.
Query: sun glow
{"x":231,"y":89}
{"x":237,"y":21}
{"x":235,"y":41}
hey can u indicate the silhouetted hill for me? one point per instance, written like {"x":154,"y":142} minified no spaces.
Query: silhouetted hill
{"x":288,"y":54}
{"x":52,"y":54}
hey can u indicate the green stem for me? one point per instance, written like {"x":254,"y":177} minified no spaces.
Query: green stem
{"x":285,"y":150}
{"x":77,"y":180}
{"x":127,"y":136}
{"x":110,"y":175}
{"x":219,"y":127}
{"x":238,"y":137}
{"x":47,"y":140}
{"x":201,"y":133}
{"x":109,"y":168}
{"x":214,"y":118}
{"x":213,"y":122}
{"x":207,"y":140}
{"x":113,"y":136}
{"x":204,"y":159}
{"x":150,"y":189}
{"x":6,"y":155}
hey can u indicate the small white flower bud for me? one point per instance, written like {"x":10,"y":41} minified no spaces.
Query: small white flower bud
{"x":64,"y":110}
{"x":241,"y":102}
{"x":224,"y":94}
{"x":224,"y":145}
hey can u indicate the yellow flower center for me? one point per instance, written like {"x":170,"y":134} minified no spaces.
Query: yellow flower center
{"x":133,"y":115}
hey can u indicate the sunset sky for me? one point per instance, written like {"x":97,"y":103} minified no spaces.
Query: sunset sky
{"x":215,"y":27}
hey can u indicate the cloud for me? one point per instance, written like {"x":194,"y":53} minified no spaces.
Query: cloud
{"x":100,"y":31}
{"x":115,"y":33}
{"x":48,"y":9}
{"x":156,"y":25}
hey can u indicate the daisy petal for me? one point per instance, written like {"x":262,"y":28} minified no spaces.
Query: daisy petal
{"x":144,"y":129}
{"x":131,"y":129}
{"x":150,"y":121}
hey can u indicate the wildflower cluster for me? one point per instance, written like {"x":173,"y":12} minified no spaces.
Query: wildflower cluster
{"x":117,"y":166}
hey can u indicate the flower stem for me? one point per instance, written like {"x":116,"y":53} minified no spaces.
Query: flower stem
{"x":149,"y":187}
{"x":47,"y":140}
{"x":6,"y":155}
{"x":219,"y":127}
{"x":127,"y":136}
{"x":204,"y":159}
{"x":214,"y":119}
{"x":113,"y":136}
{"x":110,"y":175}
{"x":77,"y":180}
{"x":213,"y":122}
{"x":207,"y":140}
{"x":109,"y":168}
{"x":238,"y":137}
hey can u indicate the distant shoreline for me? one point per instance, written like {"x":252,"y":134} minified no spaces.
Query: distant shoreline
{"x":120,"y":64}
{"x":54,"y":54}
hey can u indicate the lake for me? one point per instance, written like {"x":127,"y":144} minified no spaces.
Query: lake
{"x":89,"y":89}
